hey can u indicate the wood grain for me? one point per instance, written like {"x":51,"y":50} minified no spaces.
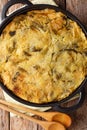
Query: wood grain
{"x":78,"y":8}
{"x":61,"y":3}
{"x":4,"y":116}
{"x":2,"y":3}
{"x":17,"y":123}
{"x":79,"y":117}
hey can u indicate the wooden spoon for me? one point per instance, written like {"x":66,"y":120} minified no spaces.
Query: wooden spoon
{"x":45,"y":124}
{"x":50,"y":116}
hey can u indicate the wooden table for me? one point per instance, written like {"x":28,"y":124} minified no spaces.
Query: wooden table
{"x":79,"y":117}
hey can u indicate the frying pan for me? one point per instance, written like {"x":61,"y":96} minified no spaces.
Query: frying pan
{"x":29,"y":7}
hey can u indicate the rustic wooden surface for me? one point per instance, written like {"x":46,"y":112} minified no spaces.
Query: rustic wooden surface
{"x":79,"y":117}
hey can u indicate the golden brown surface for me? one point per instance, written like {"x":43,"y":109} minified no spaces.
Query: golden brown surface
{"x":44,"y":56}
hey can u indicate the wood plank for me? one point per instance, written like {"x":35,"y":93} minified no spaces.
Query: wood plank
{"x":39,"y":127}
{"x":61,"y":3}
{"x":18,"y":123}
{"x":79,"y":117}
{"x":78,"y":8}
{"x":11,"y":9}
{"x":2,"y":3}
{"x":4,"y":116}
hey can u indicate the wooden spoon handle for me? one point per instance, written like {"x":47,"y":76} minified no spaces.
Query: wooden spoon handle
{"x":20,"y":107}
{"x":50,"y":116}
{"x":46,"y":125}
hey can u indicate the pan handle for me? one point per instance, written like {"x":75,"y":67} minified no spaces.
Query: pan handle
{"x":12,"y":2}
{"x":74,"y":107}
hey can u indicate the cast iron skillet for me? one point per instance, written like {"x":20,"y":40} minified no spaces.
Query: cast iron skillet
{"x":29,"y":6}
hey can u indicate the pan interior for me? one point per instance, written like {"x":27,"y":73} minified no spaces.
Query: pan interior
{"x":58,"y":63}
